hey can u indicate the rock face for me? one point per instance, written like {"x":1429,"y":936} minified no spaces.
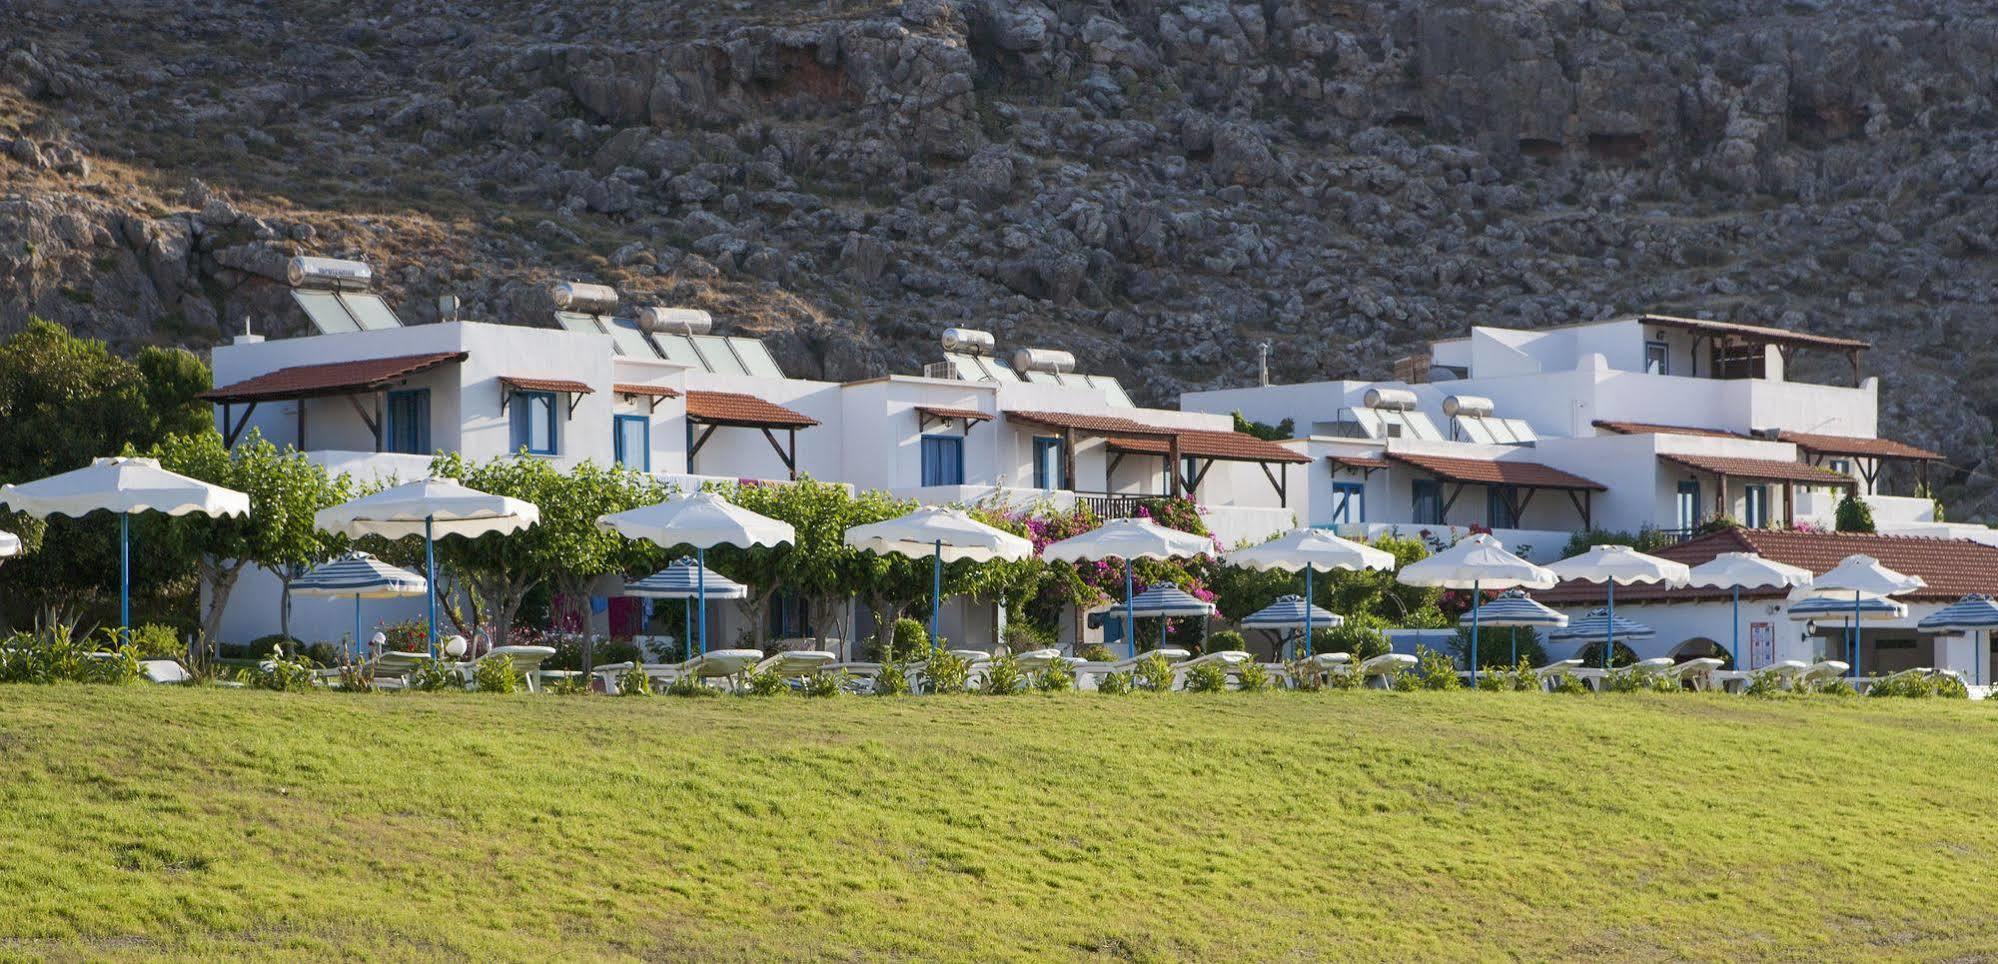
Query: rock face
{"x":1154,"y":185}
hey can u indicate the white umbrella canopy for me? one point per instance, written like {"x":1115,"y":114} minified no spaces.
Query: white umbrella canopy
{"x":1622,"y":566}
{"x":1129,"y":540}
{"x":1310,"y":549}
{"x":1745,"y":570}
{"x":702,"y":520}
{"x":10,"y":545}
{"x":124,"y":485}
{"x":945,"y":535}
{"x":1476,"y":563}
{"x":1290,"y":612}
{"x":1865,"y":575}
{"x":431,"y":507}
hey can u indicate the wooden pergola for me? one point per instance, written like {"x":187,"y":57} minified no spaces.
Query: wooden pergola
{"x":348,"y":379}
{"x":1516,"y":481}
{"x":713,"y":410}
{"x":1177,"y":446}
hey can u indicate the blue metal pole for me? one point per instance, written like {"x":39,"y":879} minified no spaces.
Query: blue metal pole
{"x":357,"y":624}
{"x":1609,"y":628}
{"x":1477,"y":597}
{"x":124,"y":577}
{"x":1855,"y":635}
{"x":687,"y":635}
{"x":430,"y":575}
{"x":701,"y":593}
{"x":1740,"y":660}
{"x":1130,"y":621}
{"x":1308,"y":642}
{"x":936,"y":589}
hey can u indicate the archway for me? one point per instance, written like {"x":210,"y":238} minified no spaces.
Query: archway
{"x":1700,"y":646}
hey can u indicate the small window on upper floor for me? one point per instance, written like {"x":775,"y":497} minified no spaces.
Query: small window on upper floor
{"x":533,"y":417}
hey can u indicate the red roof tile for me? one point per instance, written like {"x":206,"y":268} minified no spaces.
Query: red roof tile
{"x":1130,"y":435}
{"x":1772,"y":469}
{"x":330,"y":378}
{"x":1853,"y":445}
{"x":546,"y":385}
{"x":1653,"y":428}
{"x":649,"y":391}
{"x":1093,"y":424}
{"x":965,"y":414}
{"x":1951,"y":567}
{"x":1496,"y":472}
{"x":732,"y":408}
{"x":1358,"y":461}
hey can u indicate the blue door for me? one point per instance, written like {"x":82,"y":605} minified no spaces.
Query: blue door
{"x":1428,"y":508}
{"x":631,"y":440}
{"x":409,"y":421}
{"x":1349,"y":503}
{"x":943,"y":460}
{"x":1048,"y":463}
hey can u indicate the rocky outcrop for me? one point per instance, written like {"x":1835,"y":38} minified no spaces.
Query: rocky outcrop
{"x":1156,"y":185}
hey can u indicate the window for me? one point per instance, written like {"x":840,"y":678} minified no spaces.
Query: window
{"x":533,"y":418}
{"x":789,"y":617}
{"x":1428,"y":501}
{"x":1841,"y":466}
{"x":1499,"y":502}
{"x":409,"y":421}
{"x":1048,"y":459}
{"x":1755,"y":506}
{"x":1349,"y":502}
{"x":1689,"y":506}
{"x":1657,"y":358}
{"x":943,"y":460}
{"x":631,"y":441}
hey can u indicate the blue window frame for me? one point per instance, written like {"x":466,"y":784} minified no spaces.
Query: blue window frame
{"x":790,"y":618}
{"x":1048,"y":465}
{"x":631,"y":439}
{"x":1689,"y":505}
{"x":1657,"y":358}
{"x":533,"y":417}
{"x":1499,"y":501}
{"x":943,"y":460}
{"x":408,"y":427}
{"x":1349,"y":502}
{"x":1755,"y":506}
{"x":1428,"y":508}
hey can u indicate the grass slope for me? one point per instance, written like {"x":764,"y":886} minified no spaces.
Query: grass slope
{"x":204,"y":822}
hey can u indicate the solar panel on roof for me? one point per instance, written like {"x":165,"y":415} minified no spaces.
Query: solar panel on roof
{"x":1112,"y":389}
{"x":1473,"y":429}
{"x":1419,"y":426}
{"x":720,"y":359}
{"x":325,"y":311}
{"x":578,"y":322}
{"x":677,"y":348}
{"x":628,"y":340}
{"x":756,"y":357}
{"x":1521,"y":431}
{"x":369,"y":310}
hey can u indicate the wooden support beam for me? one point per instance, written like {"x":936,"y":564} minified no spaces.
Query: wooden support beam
{"x":1200,"y":475}
{"x":1068,"y":459}
{"x":1172,"y":459}
{"x":1789,"y":504}
{"x":232,"y":432}
{"x":374,"y":424}
{"x":695,"y":449}
{"x":1443,"y":517}
{"x":301,"y":425}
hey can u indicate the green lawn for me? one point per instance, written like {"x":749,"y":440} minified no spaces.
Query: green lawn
{"x":200,"y":822}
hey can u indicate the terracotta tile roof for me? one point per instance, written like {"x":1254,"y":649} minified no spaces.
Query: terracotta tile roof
{"x":1496,"y":472}
{"x":1773,"y":469}
{"x":1653,"y":428}
{"x":1205,"y":444}
{"x":331,"y":378}
{"x":1133,"y":436}
{"x":1951,"y":567}
{"x":1853,"y":445}
{"x":521,"y":384}
{"x":731,"y":408}
{"x":965,"y":414}
{"x":1358,"y":461}
{"x":649,"y":391}
{"x":1775,"y":336}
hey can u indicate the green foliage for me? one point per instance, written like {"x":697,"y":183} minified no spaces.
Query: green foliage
{"x":1639,"y":679}
{"x":1207,"y":678}
{"x":635,"y":681}
{"x":1252,"y":677}
{"x":1058,"y":676}
{"x":1225,"y":641}
{"x":1841,"y":686}
{"x":1098,"y":653}
{"x":497,"y":676}
{"x":1404,"y":680}
{"x":767,"y":683}
{"x":1025,"y":637}
{"x":1765,"y":683}
{"x":1645,"y":539}
{"x":158,"y":641}
{"x":282,"y":673}
{"x":893,"y":680}
{"x":1592,"y":655}
{"x":818,"y":565}
{"x":910,"y":638}
{"x":1153,"y":673}
{"x":689,"y":686}
{"x":1518,"y":678}
{"x":1853,"y":514}
{"x":1719,"y":523}
{"x":603,"y":652}
{"x":356,"y":678}
{"x":1435,"y":671}
{"x":1361,"y":636}
{"x":1567,"y":683}
{"x":1919,"y":686}
{"x":1117,"y":682}
{"x":57,"y":651}
{"x":435,"y":676}
{"x":1281,"y":431}
{"x":1496,"y":646}
{"x":1004,"y":677}
{"x":568,"y":686}
{"x":824,"y":685}
{"x":946,"y":672}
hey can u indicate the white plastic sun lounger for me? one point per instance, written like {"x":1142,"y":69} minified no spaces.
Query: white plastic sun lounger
{"x":1035,"y":660}
{"x":796,"y":664}
{"x":526,"y":661}
{"x":164,"y":671}
{"x":1822,"y":671}
{"x":1374,"y":671}
{"x":1230,"y":661}
{"x":728,"y":664}
{"x":1087,"y":673}
{"x":1546,"y":674}
{"x":1697,"y":672}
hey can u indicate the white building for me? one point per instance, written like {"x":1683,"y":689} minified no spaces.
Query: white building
{"x":657,"y":391}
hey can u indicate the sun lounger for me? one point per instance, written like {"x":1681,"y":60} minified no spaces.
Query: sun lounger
{"x":1374,"y":671}
{"x":793,"y":666}
{"x":1696,"y":673}
{"x":164,"y":671}
{"x":1822,"y":671}
{"x":526,"y":661}
{"x":1087,"y":673}
{"x":1548,"y":673}
{"x":1230,"y":661}
{"x":723,"y":664}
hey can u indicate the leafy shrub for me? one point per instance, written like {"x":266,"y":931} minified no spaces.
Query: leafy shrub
{"x":1003,"y":676}
{"x":1361,"y":636}
{"x":56,"y":651}
{"x":1496,"y":645}
{"x":1639,"y":679}
{"x":497,"y":676}
{"x":1252,"y":677}
{"x":1098,"y":653}
{"x":1435,"y":671}
{"x":893,"y":680}
{"x":1518,"y":678}
{"x":1305,"y":675}
{"x":634,"y":681}
{"x":1024,"y":637}
{"x":910,"y":638}
{"x":946,"y":672}
{"x":568,"y":686}
{"x":408,"y":636}
{"x":262,"y":645}
{"x":356,"y":678}
{"x":1117,"y":682}
{"x":1403,"y":680}
{"x":281,"y":673}
{"x":767,"y":683}
{"x":157,"y":641}
{"x":1153,"y":673}
{"x":822,"y":685}
{"x":1853,"y":514}
{"x":1344,"y":678}
{"x":1837,"y":686}
{"x":1592,"y":655}
{"x":1645,"y":539}
{"x":1568,"y":683}
{"x":689,"y":686}
{"x":569,"y":650}
{"x":323,"y":654}
{"x":1919,"y":686}
{"x":1058,"y":676}
{"x":1764,"y":683}
{"x":1207,"y":678}
{"x":1226,"y":640}
{"x":435,"y":676}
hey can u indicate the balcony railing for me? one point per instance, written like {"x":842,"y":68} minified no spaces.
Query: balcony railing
{"x":1115,"y":506}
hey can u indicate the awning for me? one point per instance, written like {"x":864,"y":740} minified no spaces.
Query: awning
{"x":1849,"y":445}
{"x":746,"y":411}
{"x":1201,"y":444}
{"x":331,"y":378}
{"x":1653,"y":428}
{"x":565,"y":385}
{"x":645,"y":391}
{"x":1755,"y":333}
{"x":961,"y":414}
{"x":1514,"y":472}
{"x":1364,"y":463}
{"x":1771,"y":470}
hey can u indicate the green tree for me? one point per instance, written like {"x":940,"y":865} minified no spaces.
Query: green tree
{"x":1853,"y":514}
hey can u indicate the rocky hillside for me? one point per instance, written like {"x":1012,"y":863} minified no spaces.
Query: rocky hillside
{"x":1155,"y":185}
